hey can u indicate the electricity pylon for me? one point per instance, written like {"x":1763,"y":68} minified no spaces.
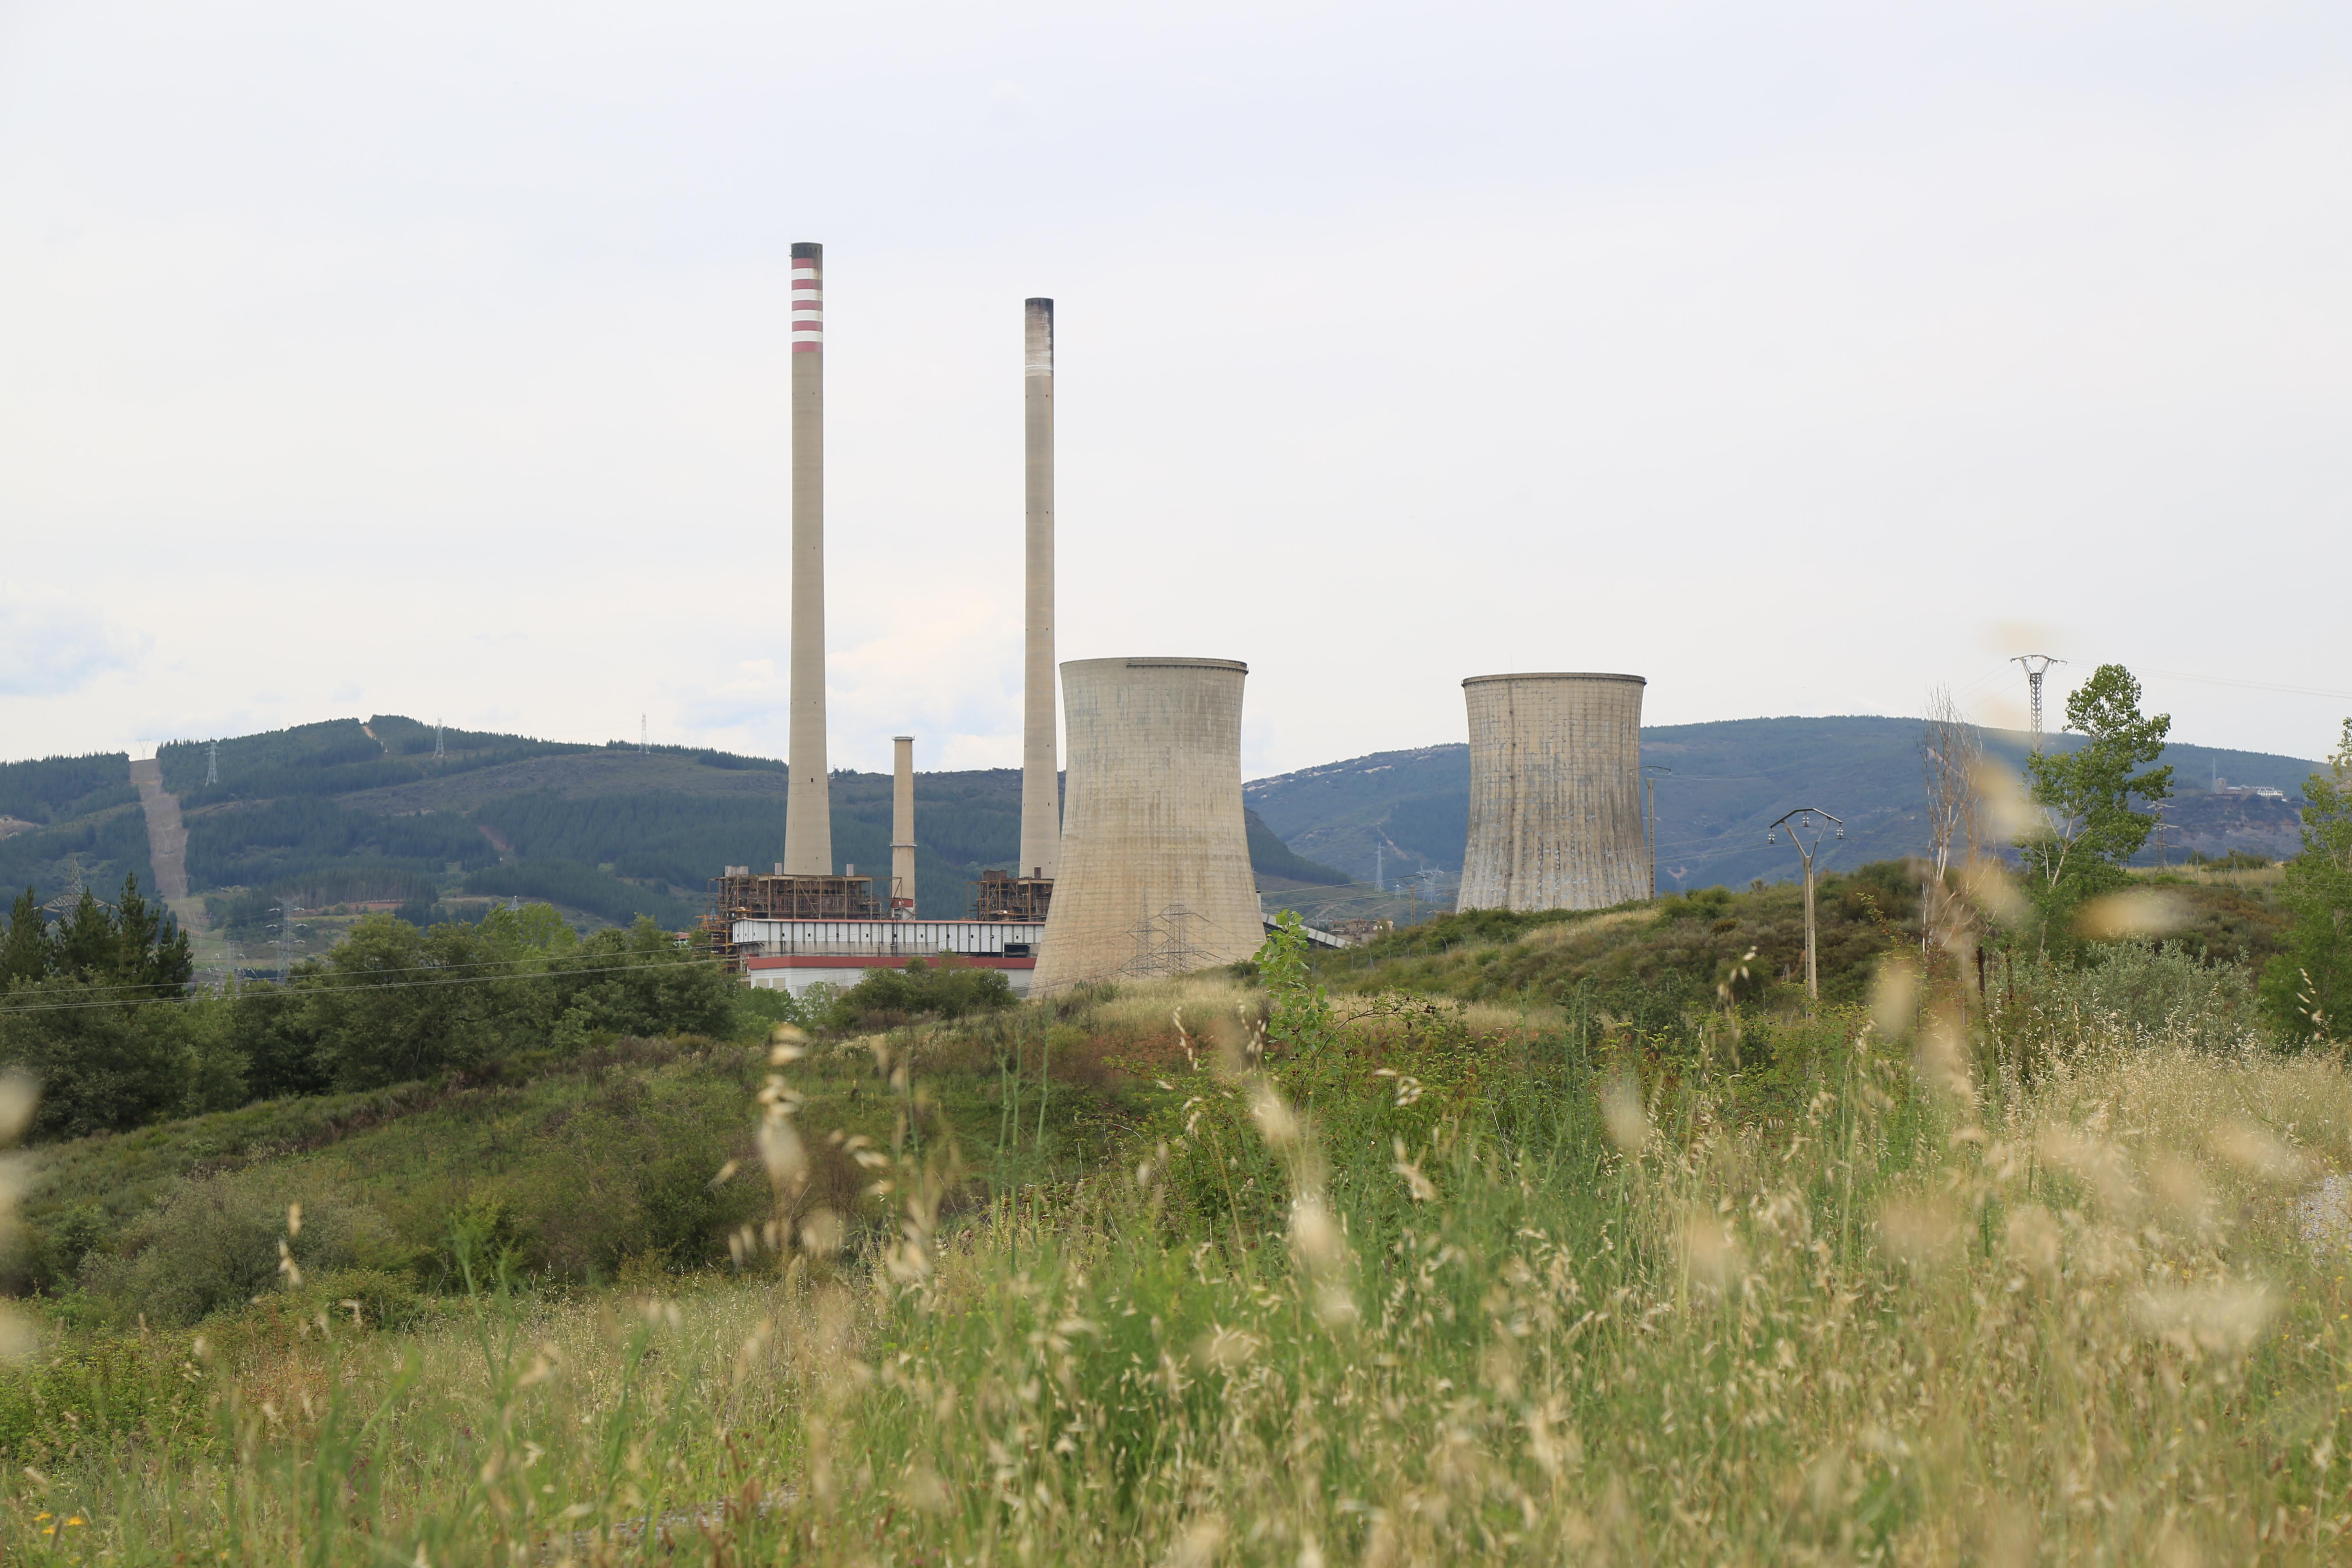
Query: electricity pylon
{"x":1803,"y":818}
{"x":2033,"y":673}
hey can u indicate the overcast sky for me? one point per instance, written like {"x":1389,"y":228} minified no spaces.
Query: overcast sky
{"x":431,"y":359}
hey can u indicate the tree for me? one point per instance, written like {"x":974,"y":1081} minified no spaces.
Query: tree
{"x":391,"y":1003}
{"x":636,"y":982}
{"x":25,"y":952}
{"x":275,"y":1031}
{"x":93,"y":1010}
{"x":103,"y":1065}
{"x":2307,"y":990}
{"x":2090,"y":828}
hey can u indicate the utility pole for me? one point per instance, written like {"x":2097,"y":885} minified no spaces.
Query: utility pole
{"x":641,"y":734}
{"x":1650,"y":772}
{"x":1799,"y":822}
{"x":2036,"y":665}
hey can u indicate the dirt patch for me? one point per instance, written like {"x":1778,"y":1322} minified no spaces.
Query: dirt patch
{"x":167,"y":836}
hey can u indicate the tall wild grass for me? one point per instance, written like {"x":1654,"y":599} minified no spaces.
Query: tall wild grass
{"x":1382,"y":1291}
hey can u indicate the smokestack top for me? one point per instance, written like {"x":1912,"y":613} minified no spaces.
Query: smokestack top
{"x":808,"y":297}
{"x":1038,"y":318}
{"x":902,"y":737}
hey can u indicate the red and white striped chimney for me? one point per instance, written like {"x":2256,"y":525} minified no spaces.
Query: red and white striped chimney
{"x":808,"y":814}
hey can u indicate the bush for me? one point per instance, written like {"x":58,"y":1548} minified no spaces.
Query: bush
{"x":98,"y":1389}
{"x":214,"y":1247}
{"x":2148,"y":991}
{"x":760,"y":1008}
{"x":945,"y":990}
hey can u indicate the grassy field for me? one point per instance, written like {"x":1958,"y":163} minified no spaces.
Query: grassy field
{"x":1438,"y":1268}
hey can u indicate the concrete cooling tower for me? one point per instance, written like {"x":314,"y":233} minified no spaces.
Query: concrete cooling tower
{"x":1155,"y":860}
{"x":1555,"y":792}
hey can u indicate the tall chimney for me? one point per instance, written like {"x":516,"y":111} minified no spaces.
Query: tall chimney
{"x":902,"y":829}
{"x":808,"y":814}
{"x":1041,"y":801}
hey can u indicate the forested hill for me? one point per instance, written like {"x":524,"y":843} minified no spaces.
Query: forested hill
{"x":350,"y":812}
{"x":1728,"y":781}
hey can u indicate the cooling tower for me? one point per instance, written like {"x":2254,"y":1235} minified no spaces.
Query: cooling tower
{"x":1041,"y":792}
{"x":1555,"y":792}
{"x":808,"y":813}
{"x":902,"y":826}
{"x":1155,"y":860}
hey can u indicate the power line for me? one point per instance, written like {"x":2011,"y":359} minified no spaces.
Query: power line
{"x":354,"y":983}
{"x":2249,"y":685}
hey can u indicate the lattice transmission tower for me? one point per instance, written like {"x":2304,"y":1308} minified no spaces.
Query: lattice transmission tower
{"x":2036,"y":665}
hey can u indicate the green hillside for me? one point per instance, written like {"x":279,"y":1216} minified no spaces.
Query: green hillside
{"x":350,"y":812}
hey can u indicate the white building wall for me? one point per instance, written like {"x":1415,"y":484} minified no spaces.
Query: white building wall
{"x":909,"y":938}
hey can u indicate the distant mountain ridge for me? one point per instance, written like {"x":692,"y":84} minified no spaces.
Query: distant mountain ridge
{"x":1729,"y":780}
{"x":349,"y":811}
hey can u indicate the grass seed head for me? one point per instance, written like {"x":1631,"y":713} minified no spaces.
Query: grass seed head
{"x":1622,"y":1112}
{"x":781,"y":1149}
{"x":2135,"y":912}
{"x":19,"y":1093}
{"x":1922,"y":1232}
{"x":1894,"y":997}
{"x":2224,"y":1319}
{"x":1277,"y":1122}
{"x":2034,"y":1240}
{"x":822,"y":1233}
{"x":2257,"y":1151}
{"x":1710,"y":1252}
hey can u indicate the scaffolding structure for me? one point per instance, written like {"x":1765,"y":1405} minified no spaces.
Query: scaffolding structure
{"x":739,"y":896}
{"x":1002,"y":896}
{"x":1163,"y":945}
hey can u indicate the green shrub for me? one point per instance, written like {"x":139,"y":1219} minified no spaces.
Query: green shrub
{"x":2145,"y":991}
{"x":92,"y":1391}
{"x":213,"y":1246}
{"x":945,"y":990}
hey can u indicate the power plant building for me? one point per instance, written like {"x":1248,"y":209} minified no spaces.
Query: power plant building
{"x":1155,"y":873}
{"x":1555,"y":792}
{"x":1141,"y":869}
